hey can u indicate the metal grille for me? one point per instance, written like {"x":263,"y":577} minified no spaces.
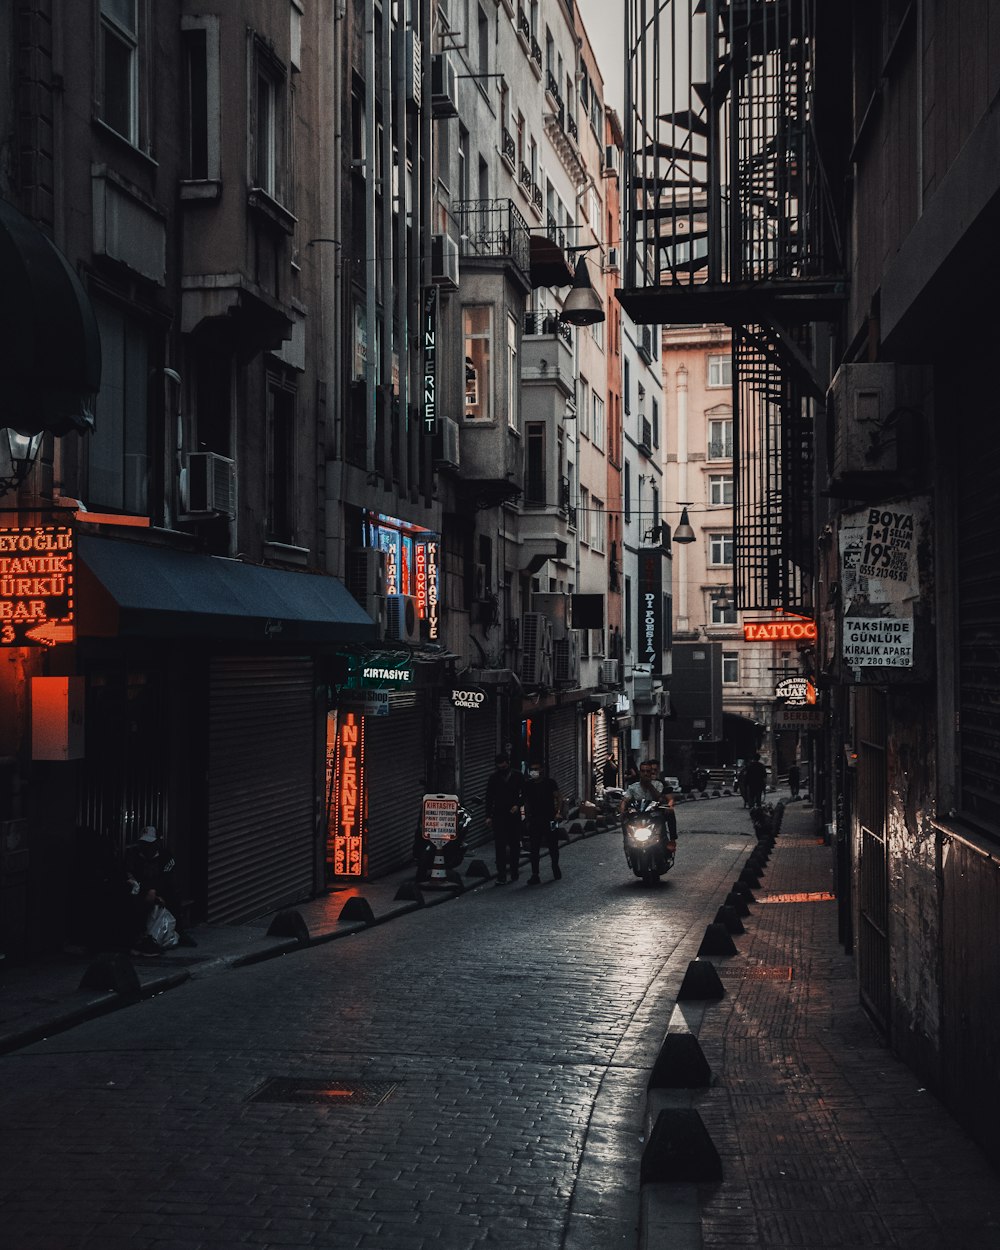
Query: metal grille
{"x":873,"y":870}
{"x":773,"y":450}
{"x":496,"y":228}
{"x":725,"y":183}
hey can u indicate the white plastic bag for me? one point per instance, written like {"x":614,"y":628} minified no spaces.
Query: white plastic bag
{"x":162,"y":927}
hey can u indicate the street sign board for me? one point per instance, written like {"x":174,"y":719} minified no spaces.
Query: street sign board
{"x":439,"y":822}
{"x":36,"y":586}
{"x":365,"y":702}
{"x":798,"y":718}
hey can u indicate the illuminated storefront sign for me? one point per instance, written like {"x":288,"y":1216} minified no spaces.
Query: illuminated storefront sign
{"x":36,"y":586}
{"x":651,"y":607}
{"x":431,"y":613}
{"x":347,"y":798}
{"x":778,"y":631}
{"x":796,"y":691}
{"x":379,"y":675}
{"x":470,"y":700}
{"x":430,"y":361}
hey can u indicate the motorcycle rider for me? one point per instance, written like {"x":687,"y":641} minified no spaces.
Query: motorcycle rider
{"x":648,"y":789}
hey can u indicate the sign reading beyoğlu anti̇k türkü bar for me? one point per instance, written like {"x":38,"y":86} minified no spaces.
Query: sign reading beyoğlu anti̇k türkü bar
{"x":36,"y":586}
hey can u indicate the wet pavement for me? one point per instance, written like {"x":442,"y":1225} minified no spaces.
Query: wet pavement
{"x":474,"y":1074}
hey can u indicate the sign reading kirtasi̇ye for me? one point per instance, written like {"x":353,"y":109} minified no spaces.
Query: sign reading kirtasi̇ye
{"x":36,"y":586}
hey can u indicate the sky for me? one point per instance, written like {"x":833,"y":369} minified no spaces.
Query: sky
{"x":605,"y":23}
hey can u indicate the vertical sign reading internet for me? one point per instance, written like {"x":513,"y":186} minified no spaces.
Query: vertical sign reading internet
{"x":36,"y":586}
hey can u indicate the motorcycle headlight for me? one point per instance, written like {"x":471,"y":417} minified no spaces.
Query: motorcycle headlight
{"x":640,"y":833}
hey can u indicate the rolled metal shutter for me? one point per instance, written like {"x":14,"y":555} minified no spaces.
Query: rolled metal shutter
{"x":978,"y":528}
{"x":562,"y":751}
{"x":261,"y":785}
{"x":600,"y":740}
{"x":396,"y":770}
{"x":479,"y":750}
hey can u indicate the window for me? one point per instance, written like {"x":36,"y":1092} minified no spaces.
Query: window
{"x":730,"y":667}
{"x":583,"y":411}
{"x":720,"y":489}
{"x":723,"y":615}
{"x":628,"y":614}
{"x":478,"y":333}
{"x":269,"y":124}
{"x":513,"y":387}
{"x":484,"y":43}
{"x":463,"y":163}
{"x":597,"y":528}
{"x":627,"y":495}
{"x":720,"y":371}
{"x":119,"y":68}
{"x":720,"y":439}
{"x":720,"y":549}
{"x":627,"y":386}
{"x":597,"y":430}
{"x":654,"y":419}
{"x":534,"y":468}
{"x":583,"y":516}
{"x":597,"y":332}
{"x":118,"y":449}
{"x":281,"y":493}
{"x":200,"y":37}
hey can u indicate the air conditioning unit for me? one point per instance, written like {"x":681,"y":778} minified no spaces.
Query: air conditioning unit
{"x":613,"y":260}
{"x":444,"y":85}
{"x":566,"y":660}
{"x":610,"y":159}
{"x":402,"y":619}
{"x":661,"y":705}
{"x":414,"y":59}
{"x":480,"y":584}
{"x":556,"y":608}
{"x":208,"y":485}
{"x":446,"y":454}
{"x":444,"y":261}
{"x":536,"y":649}
{"x":609,"y":673}
{"x":365,"y":580}
{"x":875,"y":410}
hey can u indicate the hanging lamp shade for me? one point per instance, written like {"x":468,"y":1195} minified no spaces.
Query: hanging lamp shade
{"x":683,"y":533}
{"x":583,"y":304}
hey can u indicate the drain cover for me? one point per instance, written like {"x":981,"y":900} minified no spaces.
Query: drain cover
{"x":331,"y":1093}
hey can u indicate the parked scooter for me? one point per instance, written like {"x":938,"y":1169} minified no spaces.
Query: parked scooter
{"x":609,"y":801}
{"x":650,"y":838}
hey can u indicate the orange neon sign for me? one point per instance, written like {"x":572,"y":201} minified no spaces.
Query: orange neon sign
{"x":36,"y":586}
{"x":347,"y":806}
{"x":778,"y":631}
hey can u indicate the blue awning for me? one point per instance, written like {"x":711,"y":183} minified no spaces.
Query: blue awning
{"x":134,"y":589}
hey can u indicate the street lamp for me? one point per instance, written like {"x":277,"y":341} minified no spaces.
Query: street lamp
{"x":583,"y":305}
{"x":684,"y":533}
{"x":22,"y":449}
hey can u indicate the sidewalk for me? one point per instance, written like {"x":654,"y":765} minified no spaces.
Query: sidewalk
{"x":825,"y":1138}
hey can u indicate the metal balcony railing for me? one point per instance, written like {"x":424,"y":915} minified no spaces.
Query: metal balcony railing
{"x":564,"y":500}
{"x":508,"y":148}
{"x":551,"y":86}
{"x":495,"y":228}
{"x":548,"y":321}
{"x":536,"y":52}
{"x":526,"y":178}
{"x":523,"y":25}
{"x":571,"y":128}
{"x":536,"y":196}
{"x":554,"y":232}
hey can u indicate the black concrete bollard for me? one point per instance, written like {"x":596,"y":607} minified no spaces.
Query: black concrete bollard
{"x":289,"y":923}
{"x":477,"y":868}
{"x":112,"y":971}
{"x":750,"y":877}
{"x":700,"y":981}
{"x":680,"y":1064}
{"x":738,"y":902}
{"x":730,"y":917}
{"x":680,"y":1149}
{"x":717,"y":941}
{"x":410,"y":892}
{"x":743,"y":890}
{"x":357,"y":908}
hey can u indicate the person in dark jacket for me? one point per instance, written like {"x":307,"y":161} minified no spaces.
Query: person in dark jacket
{"x":610,"y":772}
{"x":504,"y":794}
{"x":756,"y":782}
{"x":149,"y":868}
{"x":793,"y":780}
{"x":542,"y":804}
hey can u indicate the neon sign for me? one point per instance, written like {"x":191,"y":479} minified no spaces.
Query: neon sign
{"x":36,"y":586}
{"x":431,"y":556}
{"x":430,"y":361}
{"x":778,"y":631}
{"x":651,"y":606}
{"x":347,"y":803}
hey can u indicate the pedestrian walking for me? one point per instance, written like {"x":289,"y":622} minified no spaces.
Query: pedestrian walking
{"x":542,"y":805}
{"x":504,"y":795}
{"x":610,"y":772}
{"x":756,"y":782}
{"x":741,"y":785}
{"x":793,"y":780}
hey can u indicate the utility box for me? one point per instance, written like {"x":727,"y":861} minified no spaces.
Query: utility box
{"x":57,"y":718}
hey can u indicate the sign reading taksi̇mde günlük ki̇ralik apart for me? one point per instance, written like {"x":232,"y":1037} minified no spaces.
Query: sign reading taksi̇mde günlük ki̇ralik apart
{"x":880,"y":585}
{"x":36,"y":586}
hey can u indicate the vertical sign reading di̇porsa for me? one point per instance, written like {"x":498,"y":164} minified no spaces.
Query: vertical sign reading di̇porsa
{"x":650,"y":632}
{"x":36,"y":586}
{"x":347,"y":797}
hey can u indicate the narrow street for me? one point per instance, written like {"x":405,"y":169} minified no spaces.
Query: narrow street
{"x":498,"y":1050}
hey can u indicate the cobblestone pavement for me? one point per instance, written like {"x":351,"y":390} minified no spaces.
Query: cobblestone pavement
{"x":826,"y":1139}
{"x":503,"y":1042}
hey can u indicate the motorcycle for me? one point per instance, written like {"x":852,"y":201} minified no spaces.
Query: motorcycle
{"x":650,"y":838}
{"x":609,"y":801}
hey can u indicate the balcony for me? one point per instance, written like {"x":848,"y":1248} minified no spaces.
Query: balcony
{"x":536,"y":54}
{"x":495,"y":230}
{"x":547,"y":321}
{"x":524,"y":26}
{"x":552,"y":87}
{"x":571,"y":128}
{"x":526,"y":179}
{"x":548,"y":380}
{"x":564,"y":143}
{"x":536,"y":198}
{"x":507,"y":148}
